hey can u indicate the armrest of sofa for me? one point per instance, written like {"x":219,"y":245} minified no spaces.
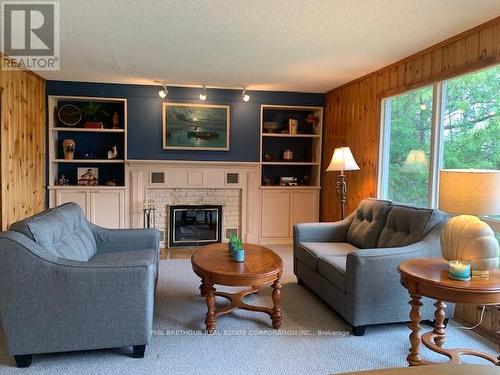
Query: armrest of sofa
{"x":111,"y":240}
{"x":71,"y":296}
{"x":322,"y":232}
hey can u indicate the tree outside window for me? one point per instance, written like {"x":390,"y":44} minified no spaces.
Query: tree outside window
{"x":468,"y":135}
{"x":409,"y":117}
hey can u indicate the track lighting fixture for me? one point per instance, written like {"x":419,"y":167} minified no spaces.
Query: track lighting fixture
{"x":163,"y":92}
{"x":244,"y":95}
{"x":203,"y":95}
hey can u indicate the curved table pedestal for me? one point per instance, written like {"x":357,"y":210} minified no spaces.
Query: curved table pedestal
{"x":236,"y":302}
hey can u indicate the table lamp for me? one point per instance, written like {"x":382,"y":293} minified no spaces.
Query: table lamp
{"x":466,"y":238}
{"x":342,"y":160}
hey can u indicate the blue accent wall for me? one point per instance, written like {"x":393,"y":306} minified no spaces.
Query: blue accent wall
{"x":145,"y":123}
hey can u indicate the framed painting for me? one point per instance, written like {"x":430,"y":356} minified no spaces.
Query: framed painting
{"x":88,"y":176}
{"x":195,"y":126}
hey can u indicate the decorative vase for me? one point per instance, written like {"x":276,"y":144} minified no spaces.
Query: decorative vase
{"x":288,"y":155}
{"x":468,"y":239}
{"x":239,"y":255}
{"x":69,"y":147}
{"x":116,"y":120}
{"x":293,"y":126}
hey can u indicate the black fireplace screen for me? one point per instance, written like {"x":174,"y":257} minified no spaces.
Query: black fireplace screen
{"x":194,"y":225}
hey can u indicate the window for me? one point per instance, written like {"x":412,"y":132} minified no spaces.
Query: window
{"x":463,"y":132}
{"x":471,"y":121}
{"x":408,"y":125}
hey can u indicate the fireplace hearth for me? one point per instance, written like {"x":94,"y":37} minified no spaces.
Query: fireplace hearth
{"x":194,"y":225}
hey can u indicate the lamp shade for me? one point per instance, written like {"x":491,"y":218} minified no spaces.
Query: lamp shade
{"x":342,"y":160}
{"x":415,"y":161}
{"x":469,"y":191}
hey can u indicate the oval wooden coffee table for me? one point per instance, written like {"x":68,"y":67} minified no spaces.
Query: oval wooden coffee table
{"x":214,"y":265}
{"x":429,"y":277}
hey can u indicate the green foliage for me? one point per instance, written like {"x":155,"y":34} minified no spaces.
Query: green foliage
{"x":411,"y":123}
{"x":94,"y":111}
{"x":471,"y":136}
{"x":235,"y":242}
{"x":471,"y":120}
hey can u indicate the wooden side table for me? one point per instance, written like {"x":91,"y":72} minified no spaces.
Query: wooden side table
{"x":429,"y":278}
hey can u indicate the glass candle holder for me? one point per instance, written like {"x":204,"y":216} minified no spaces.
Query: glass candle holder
{"x":459,"y":270}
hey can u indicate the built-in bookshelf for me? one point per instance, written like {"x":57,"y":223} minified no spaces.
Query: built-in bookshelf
{"x":290,"y":150}
{"x":94,"y":126}
{"x":290,"y":165}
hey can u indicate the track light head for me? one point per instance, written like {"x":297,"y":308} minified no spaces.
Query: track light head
{"x":203,"y":95}
{"x":244,"y":95}
{"x":163,"y":92}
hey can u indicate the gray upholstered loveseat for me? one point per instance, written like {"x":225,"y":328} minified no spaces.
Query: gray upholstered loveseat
{"x":66,"y":284}
{"x":352,"y":264}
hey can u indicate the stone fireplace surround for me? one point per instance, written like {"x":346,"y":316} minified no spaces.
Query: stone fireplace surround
{"x":229,"y":199}
{"x":197,"y":183}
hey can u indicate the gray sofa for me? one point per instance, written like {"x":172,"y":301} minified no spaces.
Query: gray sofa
{"x":66,"y":285}
{"x":352,"y":264}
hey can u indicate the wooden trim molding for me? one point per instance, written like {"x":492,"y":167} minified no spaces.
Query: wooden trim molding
{"x":352,"y":111}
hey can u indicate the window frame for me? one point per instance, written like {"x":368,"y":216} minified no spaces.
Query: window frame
{"x":436,"y":146}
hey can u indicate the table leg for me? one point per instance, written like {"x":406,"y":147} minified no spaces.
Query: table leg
{"x":210,"y":298}
{"x":203,"y":292}
{"x":414,"y":358}
{"x":276,"y":314}
{"x":439,"y":327}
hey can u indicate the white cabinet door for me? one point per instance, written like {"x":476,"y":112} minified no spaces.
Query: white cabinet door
{"x":303,"y":207}
{"x":275,"y":213}
{"x":107,"y":208}
{"x":80,"y":197}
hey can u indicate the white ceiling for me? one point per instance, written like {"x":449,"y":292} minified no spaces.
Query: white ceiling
{"x":288,"y":45}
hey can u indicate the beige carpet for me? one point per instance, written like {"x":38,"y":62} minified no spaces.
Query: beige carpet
{"x":313,"y":339}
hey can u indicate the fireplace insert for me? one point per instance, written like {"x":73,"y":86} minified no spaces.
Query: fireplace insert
{"x":192,"y":225}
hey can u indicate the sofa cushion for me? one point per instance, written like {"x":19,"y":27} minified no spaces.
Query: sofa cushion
{"x":62,"y":231}
{"x":405,"y":225}
{"x":309,"y":252}
{"x":369,"y":220}
{"x":333,"y":268}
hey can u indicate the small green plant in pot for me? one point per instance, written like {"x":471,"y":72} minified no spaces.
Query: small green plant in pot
{"x":236,"y":248}
{"x":234,"y":242}
{"x":94,"y":113}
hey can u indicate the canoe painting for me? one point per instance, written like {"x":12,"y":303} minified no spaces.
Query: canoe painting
{"x":195,"y":126}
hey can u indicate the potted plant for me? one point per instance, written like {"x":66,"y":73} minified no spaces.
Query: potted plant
{"x":93,"y":112}
{"x":236,"y":248}
{"x":233,"y":241}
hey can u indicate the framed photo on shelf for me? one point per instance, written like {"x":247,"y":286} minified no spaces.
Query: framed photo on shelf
{"x":88,"y":176}
{"x":195,"y":126}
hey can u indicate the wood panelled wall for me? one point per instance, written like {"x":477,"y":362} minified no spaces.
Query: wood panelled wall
{"x":22,"y":153}
{"x":352,"y":113}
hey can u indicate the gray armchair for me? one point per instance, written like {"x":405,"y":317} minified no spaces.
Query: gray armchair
{"x":352,"y":264}
{"x":66,"y":285}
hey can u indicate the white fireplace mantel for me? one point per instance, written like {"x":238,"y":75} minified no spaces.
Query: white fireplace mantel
{"x":198,"y":176}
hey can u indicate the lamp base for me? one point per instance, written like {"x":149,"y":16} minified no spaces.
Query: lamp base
{"x":468,"y":239}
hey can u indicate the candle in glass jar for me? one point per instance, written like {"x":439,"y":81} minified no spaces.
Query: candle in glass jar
{"x":458,"y":270}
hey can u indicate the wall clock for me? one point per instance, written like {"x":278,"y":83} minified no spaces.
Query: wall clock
{"x":69,"y":115}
